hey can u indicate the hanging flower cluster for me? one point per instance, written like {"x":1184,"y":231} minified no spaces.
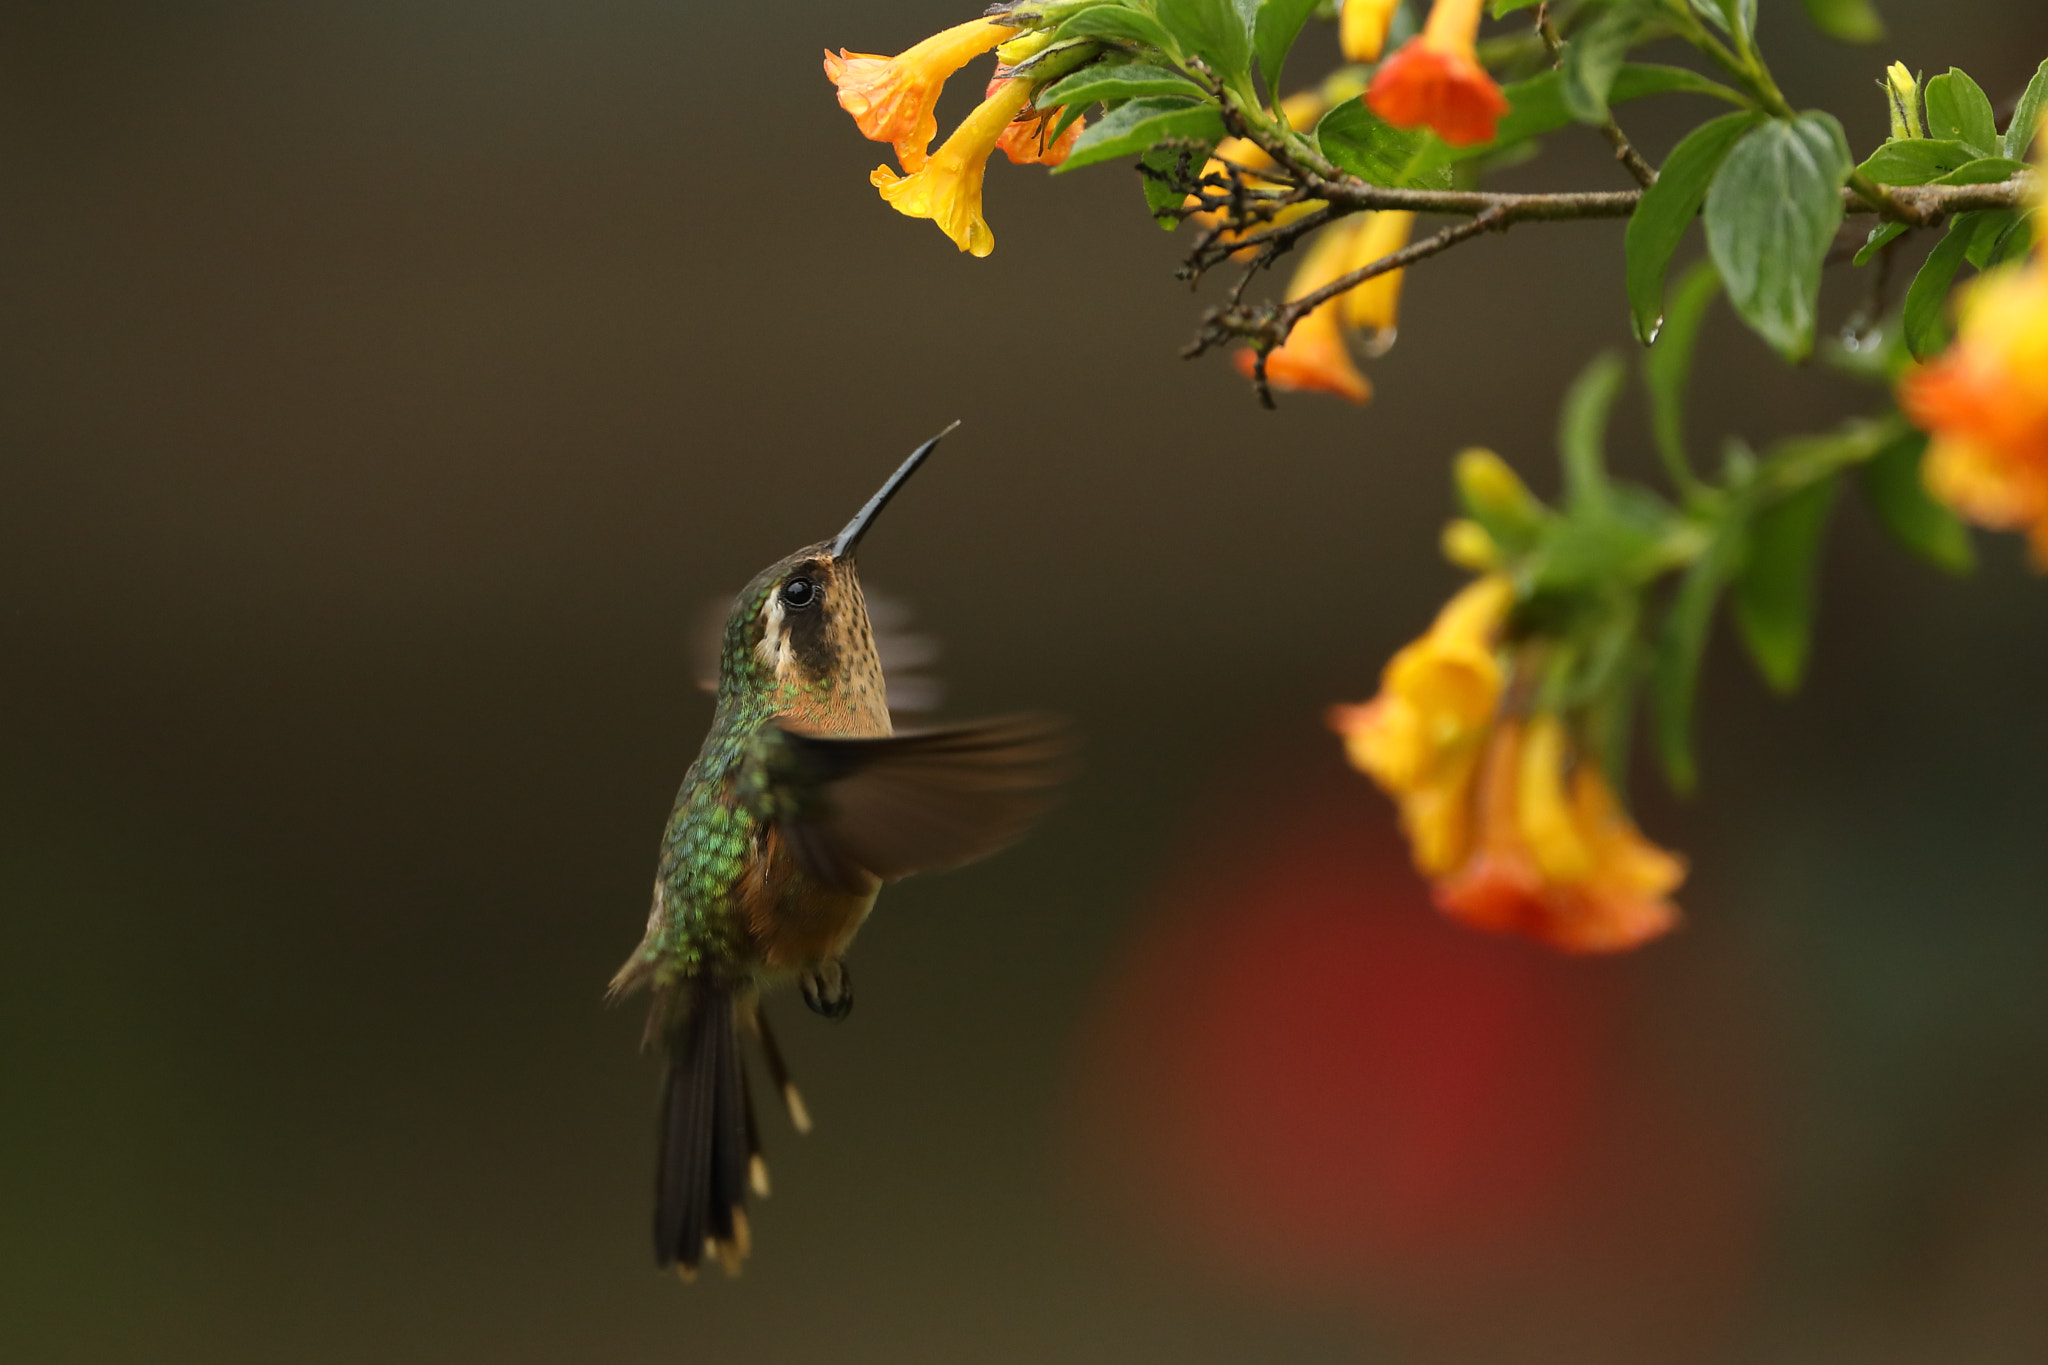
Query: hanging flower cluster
{"x":1502,"y":732}
{"x":893,"y":99}
{"x":1504,"y":798}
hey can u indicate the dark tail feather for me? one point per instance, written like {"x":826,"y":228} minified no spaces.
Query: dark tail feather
{"x":706,"y":1143}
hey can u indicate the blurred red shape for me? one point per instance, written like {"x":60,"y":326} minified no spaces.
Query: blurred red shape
{"x":1302,"y":1073}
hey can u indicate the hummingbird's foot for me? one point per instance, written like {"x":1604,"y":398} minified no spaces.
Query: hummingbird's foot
{"x":828,"y":988}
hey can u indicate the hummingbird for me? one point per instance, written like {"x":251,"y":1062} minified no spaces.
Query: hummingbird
{"x":802,"y":802}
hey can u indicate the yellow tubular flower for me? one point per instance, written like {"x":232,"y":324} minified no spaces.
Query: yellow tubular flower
{"x":1372,"y":307}
{"x":1422,"y":736}
{"x":892,"y":98}
{"x":947,"y":189}
{"x":1362,"y":28}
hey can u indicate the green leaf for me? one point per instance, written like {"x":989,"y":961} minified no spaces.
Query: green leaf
{"x":1926,"y":328}
{"x":1985,"y":170}
{"x":2026,"y":116}
{"x":1118,"y":24}
{"x":1361,"y":142}
{"x":1774,"y":590}
{"x":2005,"y":236}
{"x":1771,"y":215}
{"x":1161,"y":198}
{"x":1958,"y":109}
{"x":1118,"y":81}
{"x":1852,"y":21}
{"x":1925,"y":527}
{"x":1660,"y":218}
{"x":1916,"y":160}
{"x":1593,"y":58}
{"x":1880,"y":236}
{"x":1582,"y":429}
{"x":1500,"y":7}
{"x":1135,"y":126}
{"x":1273,"y":33}
{"x":1215,"y":30}
{"x":1668,"y":365}
{"x":1730,"y":16}
{"x":1682,"y":643}
{"x":1069,"y":116}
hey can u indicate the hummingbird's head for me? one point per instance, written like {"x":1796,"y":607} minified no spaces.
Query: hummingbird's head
{"x":799,"y":633}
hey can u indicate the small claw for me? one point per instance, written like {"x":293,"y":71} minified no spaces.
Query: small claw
{"x":828,"y":989}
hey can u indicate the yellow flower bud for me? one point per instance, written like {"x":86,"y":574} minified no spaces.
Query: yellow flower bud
{"x":1902,"y":92}
{"x":1491,"y":488}
{"x":1466,"y":544}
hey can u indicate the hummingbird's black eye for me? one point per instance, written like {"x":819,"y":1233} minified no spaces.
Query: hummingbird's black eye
{"x":799,"y":593}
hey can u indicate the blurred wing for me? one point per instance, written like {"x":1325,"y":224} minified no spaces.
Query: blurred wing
{"x":902,"y":651}
{"x":707,"y":642}
{"x":916,"y":802}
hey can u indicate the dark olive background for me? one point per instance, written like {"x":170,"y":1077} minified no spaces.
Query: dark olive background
{"x":386,"y":387}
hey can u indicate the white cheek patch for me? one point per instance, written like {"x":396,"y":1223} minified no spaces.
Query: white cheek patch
{"x":775,"y":649}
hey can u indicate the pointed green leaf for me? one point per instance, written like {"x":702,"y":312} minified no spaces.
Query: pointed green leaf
{"x":1985,"y":170}
{"x":1852,"y":21}
{"x":1273,"y":33}
{"x":1116,"y":81}
{"x":1926,"y":327}
{"x":1215,"y":30}
{"x":1660,"y":218}
{"x":1927,"y":528}
{"x":1916,"y":160}
{"x":1137,"y":125}
{"x":2026,"y":116}
{"x":1881,"y":236}
{"x":1771,"y":215}
{"x":1730,"y":16}
{"x":1361,"y":142}
{"x":1070,"y":115}
{"x":1774,"y":591}
{"x":1682,"y":643}
{"x":1118,"y":24}
{"x":1958,"y":109}
{"x":1668,"y":364}
{"x":1594,"y":56}
{"x":1582,"y":429}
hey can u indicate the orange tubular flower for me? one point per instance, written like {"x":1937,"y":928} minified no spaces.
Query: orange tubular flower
{"x":891,"y":98}
{"x":947,"y":188}
{"x":1314,"y":356}
{"x":1362,"y":28}
{"x":1436,"y":80}
{"x":1557,"y":857}
{"x":1421,"y":738}
{"x":1985,"y":402}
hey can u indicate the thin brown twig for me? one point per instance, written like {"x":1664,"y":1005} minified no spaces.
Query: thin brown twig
{"x":1624,"y":151}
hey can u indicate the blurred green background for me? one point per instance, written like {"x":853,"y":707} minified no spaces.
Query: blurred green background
{"x":386,"y":388}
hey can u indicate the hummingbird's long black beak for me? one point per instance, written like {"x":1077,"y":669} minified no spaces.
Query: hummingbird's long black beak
{"x":845,"y":543}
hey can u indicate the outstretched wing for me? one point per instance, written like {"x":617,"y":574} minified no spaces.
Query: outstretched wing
{"x":851,"y":809}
